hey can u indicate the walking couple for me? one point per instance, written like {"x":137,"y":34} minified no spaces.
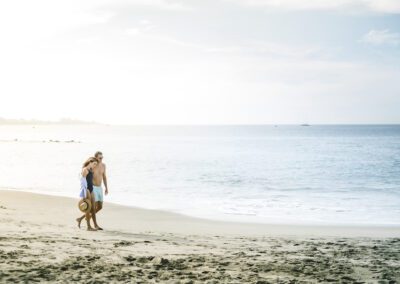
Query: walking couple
{"x":92,"y":176}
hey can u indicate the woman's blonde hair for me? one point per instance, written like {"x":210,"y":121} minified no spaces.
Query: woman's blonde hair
{"x":88,"y":161}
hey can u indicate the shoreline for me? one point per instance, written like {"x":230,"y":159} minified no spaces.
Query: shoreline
{"x":228,"y":218}
{"x":170,"y":222}
{"x":211,"y":219}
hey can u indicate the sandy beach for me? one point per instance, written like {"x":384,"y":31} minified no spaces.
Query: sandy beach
{"x":40,"y":241}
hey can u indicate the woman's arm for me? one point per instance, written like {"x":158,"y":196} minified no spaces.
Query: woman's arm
{"x":85,"y":172}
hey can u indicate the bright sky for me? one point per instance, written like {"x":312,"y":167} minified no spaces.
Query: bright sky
{"x":201,"y":62}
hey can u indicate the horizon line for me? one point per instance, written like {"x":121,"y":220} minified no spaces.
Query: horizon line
{"x":73,"y":121}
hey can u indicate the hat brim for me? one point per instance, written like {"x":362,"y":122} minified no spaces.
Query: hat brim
{"x":85,"y":205}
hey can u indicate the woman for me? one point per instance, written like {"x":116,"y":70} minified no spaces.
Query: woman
{"x":87,"y":172}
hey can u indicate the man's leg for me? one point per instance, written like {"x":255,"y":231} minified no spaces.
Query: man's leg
{"x":97,"y":191}
{"x":99,"y":205}
{"x":93,"y":214}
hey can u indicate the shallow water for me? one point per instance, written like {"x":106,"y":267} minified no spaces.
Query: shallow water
{"x":282,"y":174}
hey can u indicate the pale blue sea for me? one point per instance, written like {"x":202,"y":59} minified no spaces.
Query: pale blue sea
{"x":268,"y":174}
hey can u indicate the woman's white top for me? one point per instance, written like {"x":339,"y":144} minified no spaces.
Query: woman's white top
{"x":82,"y":194}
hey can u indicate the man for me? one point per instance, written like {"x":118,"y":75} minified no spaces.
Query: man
{"x":99,"y":176}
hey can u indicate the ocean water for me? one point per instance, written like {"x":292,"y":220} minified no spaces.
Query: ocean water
{"x":269,"y":174}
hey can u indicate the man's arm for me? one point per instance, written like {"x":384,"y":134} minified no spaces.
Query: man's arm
{"x":105,"y":179}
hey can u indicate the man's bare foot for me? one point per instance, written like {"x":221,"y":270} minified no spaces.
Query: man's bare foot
{"x":79,"y":220}
{"x":91,"y":229}
{"x":98,"y":228}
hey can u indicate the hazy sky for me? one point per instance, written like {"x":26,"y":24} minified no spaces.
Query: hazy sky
{"x":201,"y":62}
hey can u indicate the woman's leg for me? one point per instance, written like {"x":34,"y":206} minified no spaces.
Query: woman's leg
{"x":88,"y":214}
{"x":79,"y":220}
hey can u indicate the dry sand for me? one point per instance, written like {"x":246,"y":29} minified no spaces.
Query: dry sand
{"x":40,"y":241}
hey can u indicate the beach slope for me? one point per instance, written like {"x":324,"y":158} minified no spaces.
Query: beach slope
{"x":40,"y":241}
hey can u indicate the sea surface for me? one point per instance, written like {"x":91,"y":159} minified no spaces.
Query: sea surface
{"x":287,"y":174}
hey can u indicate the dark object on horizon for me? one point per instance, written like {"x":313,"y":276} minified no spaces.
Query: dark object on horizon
{"x":305,"y":124}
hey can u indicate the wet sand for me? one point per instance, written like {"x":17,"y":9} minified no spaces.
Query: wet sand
{"x":40,"y":241}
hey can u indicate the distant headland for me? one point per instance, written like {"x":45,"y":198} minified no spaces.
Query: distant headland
{"x":63,"y":121}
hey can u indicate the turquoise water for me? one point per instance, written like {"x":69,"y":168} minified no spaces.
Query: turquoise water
{"x":270,"y":174}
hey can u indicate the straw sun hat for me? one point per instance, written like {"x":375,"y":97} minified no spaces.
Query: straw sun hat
{"x":85,"y":205}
